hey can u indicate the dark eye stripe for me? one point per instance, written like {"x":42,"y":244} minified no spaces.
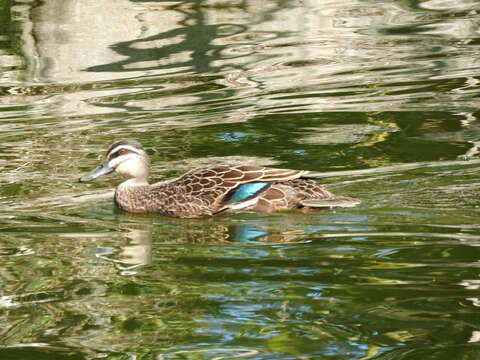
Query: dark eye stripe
{"x":118,"y":153}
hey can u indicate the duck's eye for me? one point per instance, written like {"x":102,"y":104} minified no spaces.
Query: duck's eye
{"x":120,"y":152}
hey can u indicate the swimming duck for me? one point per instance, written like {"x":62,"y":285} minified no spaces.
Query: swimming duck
{"x":210,"y":190}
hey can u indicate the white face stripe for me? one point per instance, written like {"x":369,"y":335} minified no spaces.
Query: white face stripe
{"x":115,"y":162}
{"x":120,"y":159}
{"x":126,"y":147}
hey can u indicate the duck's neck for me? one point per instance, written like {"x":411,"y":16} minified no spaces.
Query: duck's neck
{"x":132,"y":195}
{"x":133,"y":182}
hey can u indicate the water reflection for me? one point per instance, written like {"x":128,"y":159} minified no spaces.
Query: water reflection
{"x":287,"y":283}
{"x":285,"y":57}
{"x":137,"y":252}
{"x":224,"y":230}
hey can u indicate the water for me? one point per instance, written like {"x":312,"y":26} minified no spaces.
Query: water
{"x":379,"y":97}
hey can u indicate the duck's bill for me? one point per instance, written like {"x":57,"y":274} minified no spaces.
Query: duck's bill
{"x":100,"y":170}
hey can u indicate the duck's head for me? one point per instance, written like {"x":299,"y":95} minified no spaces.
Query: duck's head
{"x":126,"y":157}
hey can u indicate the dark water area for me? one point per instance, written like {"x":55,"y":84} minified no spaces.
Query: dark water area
{"x":379,"y":98}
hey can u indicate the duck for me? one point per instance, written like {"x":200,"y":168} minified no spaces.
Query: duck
{"x":210,"y":190}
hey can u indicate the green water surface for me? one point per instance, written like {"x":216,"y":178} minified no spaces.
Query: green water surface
{"x":379,"y":98}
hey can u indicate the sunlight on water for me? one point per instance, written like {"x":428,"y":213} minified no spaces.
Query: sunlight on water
{"x":378,"y":99}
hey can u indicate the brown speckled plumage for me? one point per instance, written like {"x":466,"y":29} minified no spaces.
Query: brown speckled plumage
{"x":207,"y":191}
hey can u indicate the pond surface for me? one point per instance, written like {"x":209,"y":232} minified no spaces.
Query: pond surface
{"x":379,"y":98}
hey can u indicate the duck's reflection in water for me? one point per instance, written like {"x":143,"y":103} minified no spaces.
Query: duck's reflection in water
{"x":142,"y":234}
{"x":136,"y":253}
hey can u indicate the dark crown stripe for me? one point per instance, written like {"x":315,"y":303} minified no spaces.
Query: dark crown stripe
{"x":129,"y":142}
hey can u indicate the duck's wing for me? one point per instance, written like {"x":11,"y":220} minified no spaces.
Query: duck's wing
{"x":231,"y":187}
